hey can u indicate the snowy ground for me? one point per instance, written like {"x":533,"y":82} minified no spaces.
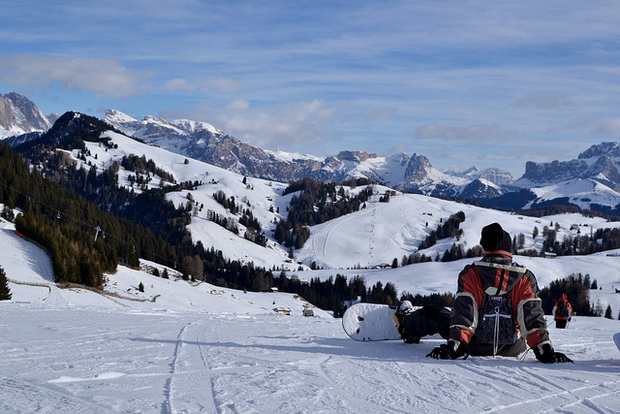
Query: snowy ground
{"x":83,"y":359}
{"x":190,"y":348}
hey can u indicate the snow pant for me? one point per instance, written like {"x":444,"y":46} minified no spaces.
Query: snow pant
{"x":426,"y":321}
{"x":560,"y":323}
{"x":432,"y":319}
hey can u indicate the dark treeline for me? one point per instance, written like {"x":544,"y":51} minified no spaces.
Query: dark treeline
{"x":446,"y":229}
{"x":253,"y":233}
{"x":581,"y":244}
{"x":600,"y":240}
{"x":317,"y":203}
{"x":577,"y":289}
{"x":65,"y":224}
{"x":440,"y":299}
{"x":141,"y":165}
{"x":332,"y":293}
{"x":227,"y":202}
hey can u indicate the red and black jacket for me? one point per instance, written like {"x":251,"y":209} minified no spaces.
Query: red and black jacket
{"x":497,"y":273}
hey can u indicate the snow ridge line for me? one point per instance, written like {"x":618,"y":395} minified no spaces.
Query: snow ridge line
{"x":17,"y":282}
{"x":77,"y":286}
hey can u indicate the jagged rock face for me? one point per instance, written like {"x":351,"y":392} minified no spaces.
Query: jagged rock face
{"x":497,"y":176}
{"x":599,"y":162}
{"x":417,"y":169}
{"x":555,"y":171}
{"x":606,"y":167}
{"x":20,"y":115}
{"x":609,"y":149}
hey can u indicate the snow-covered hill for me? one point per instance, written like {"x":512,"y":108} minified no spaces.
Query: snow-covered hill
{"x":261,"y":196}
{"x":204,"y":349}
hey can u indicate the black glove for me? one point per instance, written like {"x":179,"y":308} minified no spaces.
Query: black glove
{"x":547,"y":355}
{"x":452,"y":350}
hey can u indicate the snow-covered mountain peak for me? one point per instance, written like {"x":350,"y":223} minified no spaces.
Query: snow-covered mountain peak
{"x":195,"y":126}
{"x":607,"y":149}
{"x":19,"y":115}
{"x":151,"y":125}
{"x":115,"y":117}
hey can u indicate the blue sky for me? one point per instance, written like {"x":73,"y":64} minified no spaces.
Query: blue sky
{"x":492,"y":84}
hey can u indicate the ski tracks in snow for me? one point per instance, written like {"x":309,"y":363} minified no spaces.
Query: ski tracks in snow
{"x":512,"y":386}
{"x":189,"y":389}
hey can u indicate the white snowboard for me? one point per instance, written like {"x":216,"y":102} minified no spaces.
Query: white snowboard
{"x":370,"y":322}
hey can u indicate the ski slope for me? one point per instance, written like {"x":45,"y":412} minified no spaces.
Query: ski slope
{"x":195,"y":348}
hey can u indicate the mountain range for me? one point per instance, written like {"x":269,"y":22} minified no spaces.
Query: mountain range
{"x":591,"y":182}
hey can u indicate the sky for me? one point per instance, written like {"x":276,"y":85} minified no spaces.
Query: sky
{"x":463,"y":83}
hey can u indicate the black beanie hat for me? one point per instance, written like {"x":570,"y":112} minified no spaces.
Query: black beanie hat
{"x":495,"y":238}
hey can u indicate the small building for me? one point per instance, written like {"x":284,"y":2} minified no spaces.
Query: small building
{"x":308,"y":312}
{"x":283,"y":311}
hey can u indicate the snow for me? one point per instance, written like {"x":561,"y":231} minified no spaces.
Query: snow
{"x":580,"y":192}
{"x":184,"y":347}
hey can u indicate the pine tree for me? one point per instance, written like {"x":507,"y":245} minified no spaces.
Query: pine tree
{"x":5,"y":292}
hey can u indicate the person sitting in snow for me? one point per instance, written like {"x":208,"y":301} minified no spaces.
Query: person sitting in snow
{"x":562,"y":312}
{"x":496,"y":309}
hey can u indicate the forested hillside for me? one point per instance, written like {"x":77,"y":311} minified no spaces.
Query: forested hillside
{"x":85,"y":240}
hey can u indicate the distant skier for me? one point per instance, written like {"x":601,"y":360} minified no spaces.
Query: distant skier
{"x":562,"y":312}
{"x":496,"y":310}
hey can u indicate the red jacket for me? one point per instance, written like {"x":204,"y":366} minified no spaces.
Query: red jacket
{"x":526,"y":305}
{"x":568,"y":308}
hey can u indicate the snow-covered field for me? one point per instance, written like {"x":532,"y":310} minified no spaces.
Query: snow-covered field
{"x":199,"y":348}
{"x":85,"y":359}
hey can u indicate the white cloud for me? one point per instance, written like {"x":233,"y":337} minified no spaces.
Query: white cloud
{"x":179,"y":84}
{"x":238,"y":105}
{"x":477,"y":134}
{"x":224,"y":84}
{"x":609,"y":126}
{"x":104,"y":77}
{"x":298,"y":123}
{"x":543,"y":100}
